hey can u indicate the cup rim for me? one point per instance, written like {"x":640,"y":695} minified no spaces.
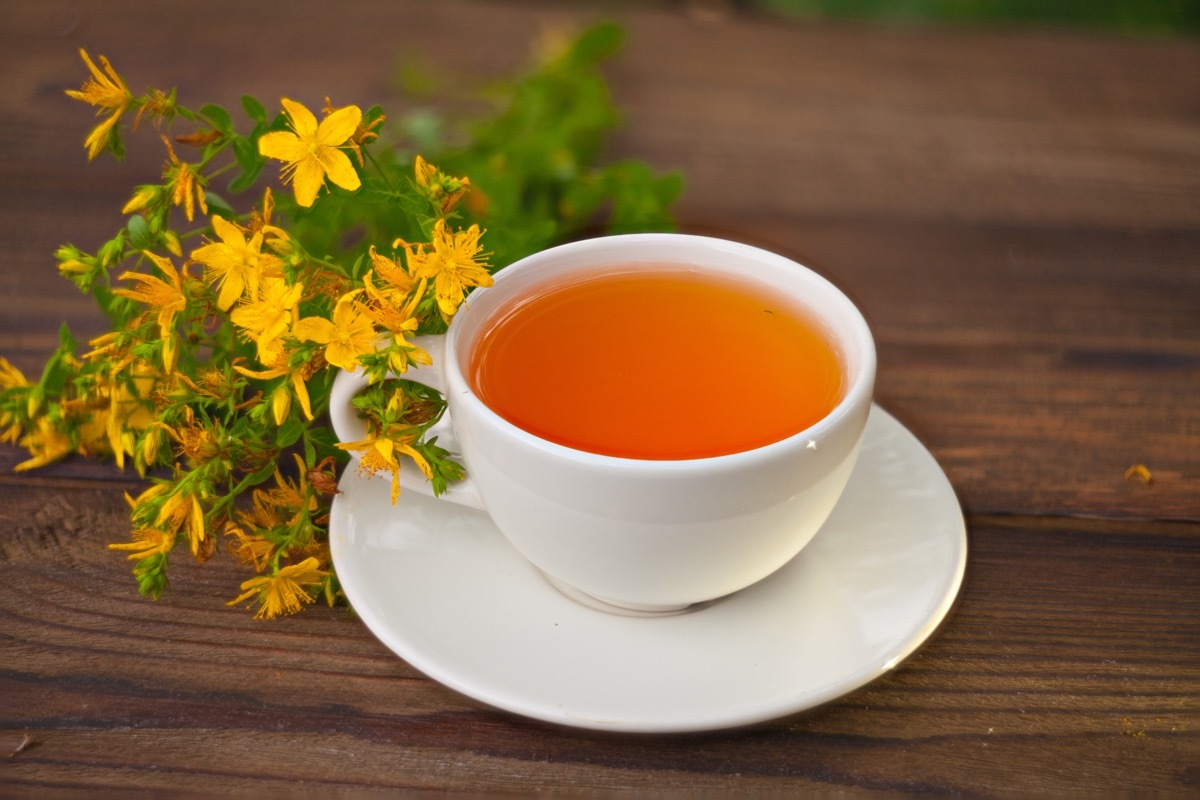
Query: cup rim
{"x":859,"y":390}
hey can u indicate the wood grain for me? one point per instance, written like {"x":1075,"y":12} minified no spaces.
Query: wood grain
{"x":1018,"y":214}
{"x":186,"y":690}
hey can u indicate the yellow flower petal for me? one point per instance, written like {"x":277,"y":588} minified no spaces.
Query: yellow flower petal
{"x":98,"y":139}
{"x":264,"y":375}
{"x":314,"y":329}
{"x":303,"y":121}
{"x":338,"y":126}
{"x":227,"y":231}
{"x":282,"y":145}
{"x":307,"y":179}
{"x":339,"y":169}
{"x":302,"y":394}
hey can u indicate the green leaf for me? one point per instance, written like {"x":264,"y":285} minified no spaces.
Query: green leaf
{"x":245,"y":181}
{"x":256,"y":477}
{"x":254,"y":109}
{"x":248,"y":158}
{"x":220,"y":205}
{"x":289,"y":433}
{"x":218,"y":116}
{"x":58,"y":369}
{"x":140,"y":235}
{"x":116,"y":144}
{"x":246,"y":153}
{"x":371,"y":114}
{"x":65,"y":340}
{"x":358,"y":267}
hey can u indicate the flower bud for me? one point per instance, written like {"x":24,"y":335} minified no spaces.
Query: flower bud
{"x":281,"y":403}
{"x":141,"y":198}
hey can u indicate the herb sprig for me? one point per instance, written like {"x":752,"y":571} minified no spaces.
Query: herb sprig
{"x":227,"y":326}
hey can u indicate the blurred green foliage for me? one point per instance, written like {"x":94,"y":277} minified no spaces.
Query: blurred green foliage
{"x":536,"y":160}
{"x":1139,"y":17}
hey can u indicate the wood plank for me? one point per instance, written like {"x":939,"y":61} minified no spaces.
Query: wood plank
{"x":1079,"y":628}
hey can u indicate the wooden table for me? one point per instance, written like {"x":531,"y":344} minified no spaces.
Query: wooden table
{"x":1018,"y":214}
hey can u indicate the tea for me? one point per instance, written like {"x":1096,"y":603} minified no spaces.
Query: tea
{"x":656,"y":362}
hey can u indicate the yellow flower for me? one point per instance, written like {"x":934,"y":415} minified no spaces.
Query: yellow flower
{"x":261,"y":221}
{"x":236,"y":264}
{"x":212,"y":382}
{"x":147,"y":542}
{"x":269,"y":316}
{"x":397,"y":280}
{"x":286,"y":591}
{"x":250,"y":548}
{"x":182,"y":509}
{"x":169,"y":298}
{"x":10,"y":378}
{"x":442,"y":189}
{"x":349,"y":335}
{"x":294,"y":497}
{"x":362,"y":134}
{"x":198,"y":442}
{"x":73,"y":267}
{"x":381,"y":454}
{"x":143,"y":197}
{"x":281,"y":507}
{"x":107,"y":91}
{"x":171,"y":242}
{"x":147,"y":454}
{"x":129,"y":412}
{"x":186,"y":184}
{"x":115,"y":346}
{"x":286,"y":503}
{"x":158,"y":104}
{"x":391,"y":310}
{"x":425,"y":172}
{"x":454,"y":264}
{"x":113,"y":412}
{"x":281,"y":402}
{"x":144,"y":504}
{"x":45,"y":443}
{"x":311,"y":152}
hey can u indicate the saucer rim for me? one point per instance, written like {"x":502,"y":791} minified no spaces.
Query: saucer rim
{"x":748,"y":713}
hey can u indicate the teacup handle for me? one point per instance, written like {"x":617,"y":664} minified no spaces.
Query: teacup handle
{"x":349,"y":427}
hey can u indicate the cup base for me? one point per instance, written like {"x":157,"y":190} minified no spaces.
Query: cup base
{"x":623,"y":609}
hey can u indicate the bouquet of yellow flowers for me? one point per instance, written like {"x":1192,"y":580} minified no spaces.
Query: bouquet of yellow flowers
{"x":226,"y":325}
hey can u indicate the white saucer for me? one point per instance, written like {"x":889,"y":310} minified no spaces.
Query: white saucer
{"x":440,"y":586}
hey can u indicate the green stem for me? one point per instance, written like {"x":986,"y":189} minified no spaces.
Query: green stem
{"x":387,"y":181}
{"x":219,"y":170}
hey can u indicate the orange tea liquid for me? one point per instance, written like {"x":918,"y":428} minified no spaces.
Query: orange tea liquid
{"x":655,"y":364}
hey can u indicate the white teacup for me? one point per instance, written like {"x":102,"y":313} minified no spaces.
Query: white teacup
{"x":646,"y":535}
